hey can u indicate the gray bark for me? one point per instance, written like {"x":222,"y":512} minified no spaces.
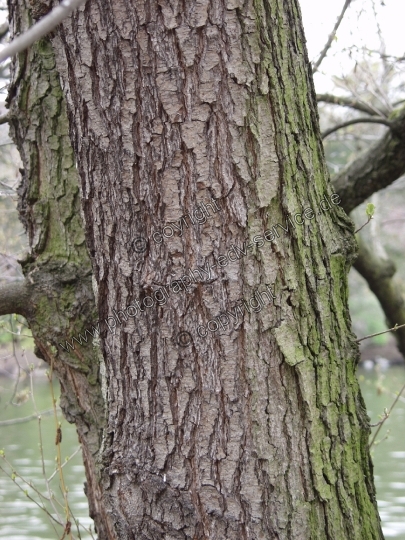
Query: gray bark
{"x":259,"y":431}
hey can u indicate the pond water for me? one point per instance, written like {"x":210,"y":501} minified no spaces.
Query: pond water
{"x":22,"y":519}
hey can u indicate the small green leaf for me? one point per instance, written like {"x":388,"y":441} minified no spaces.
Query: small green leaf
{"x":370,"y":209}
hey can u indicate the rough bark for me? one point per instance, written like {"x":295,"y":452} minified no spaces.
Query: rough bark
{"x":57,"y":297}
{"x":261,"y":431}
{"x":376,"y":168}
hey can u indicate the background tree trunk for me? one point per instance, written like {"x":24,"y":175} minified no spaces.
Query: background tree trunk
{"x":257,"y":431}
{"x":57,"y":297}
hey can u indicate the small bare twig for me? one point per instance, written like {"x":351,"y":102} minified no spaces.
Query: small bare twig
{"x":58,"y":453}
{"x":396,"y":327}
{"x":331,"y":37}
{"x":15,"y":421}
{"x":387,"y":415}
{"x":65,"y":462}
{"x":366,"y":223}
{"x":13,"y":477}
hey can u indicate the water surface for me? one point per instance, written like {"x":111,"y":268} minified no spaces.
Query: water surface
{"x":21,"y":519}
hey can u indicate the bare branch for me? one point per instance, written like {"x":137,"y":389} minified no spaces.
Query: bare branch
{"x":376,"y":168}
{"x":331,"y":37}
{"x":348,"y":102}
{"x":365,"y":120}
{"x":40,"y":29}
{"x":25,"y":419}
{"x":14,"y":298}
{"x":4,"y":118}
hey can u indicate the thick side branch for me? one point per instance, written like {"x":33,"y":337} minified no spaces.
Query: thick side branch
{"x":379,"y":274}
{"x":376,"y":168}
{"x":14,"y":298}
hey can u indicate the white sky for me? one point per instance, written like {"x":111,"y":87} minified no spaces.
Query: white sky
{"x":359,"y":27}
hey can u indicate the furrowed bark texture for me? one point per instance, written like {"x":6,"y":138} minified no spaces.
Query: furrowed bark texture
{"x":57,"y":298}
{"x":257,"y":431}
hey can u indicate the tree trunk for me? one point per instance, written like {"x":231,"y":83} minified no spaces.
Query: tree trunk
{"x":247,"y":424}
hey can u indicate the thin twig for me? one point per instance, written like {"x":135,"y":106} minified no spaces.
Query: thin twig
{"x":15,"y":421}
{"x":41,"y":444}
{"x":24,"y":491}
{"x":58,"y":452}
{"x":331,"y":37}
{"x":366,"y":223}
{"x":65,"y":462}
{"x":387,"y":416}
{"x":396,"y":327}
{"x":364,"y":120}
{"x":40,"y":29}
{"x":381,"y":421}
{"x":399,"y":220}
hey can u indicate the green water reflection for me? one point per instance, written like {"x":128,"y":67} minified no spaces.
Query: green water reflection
{"x":21,"y":519}
{"x":389,"y":455}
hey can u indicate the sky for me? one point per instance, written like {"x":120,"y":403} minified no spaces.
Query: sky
{"x":359,"y":27}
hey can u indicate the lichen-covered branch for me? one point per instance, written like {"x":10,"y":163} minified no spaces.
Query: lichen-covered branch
{"x":15,"y":298}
